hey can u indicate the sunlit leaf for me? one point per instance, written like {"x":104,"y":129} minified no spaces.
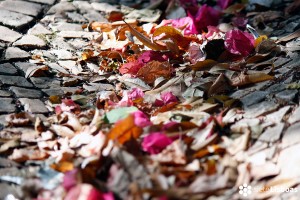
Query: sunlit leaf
{"x":118,"y":113}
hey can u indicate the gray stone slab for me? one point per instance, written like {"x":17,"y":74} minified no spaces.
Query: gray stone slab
{"x":15,"y":81}
{"x":15,"y":20}
{"x":79,"y":44}
{"x":291,"y":136}
{"x":272,"y":134}
{"x":61,"y":7}
{"x":8,"y":69}
{"x":30,"y":41}
{"x":48,"y":2}
{"x":295,"y":116}
{"x":15,"y":53}
{"x":63,"y":54}
{"x":260,"y":109}
{"x":39,"y":29}
{"x":287,"y":95}
{"x":276,"y":88}
{"x":45,"y":82}
{"x":26,"y":93}
{"x":24,"y":66}
{"x":33,"y":105}
{"x":79,"y":34}
{"x":94,"y":16}
{"x":75,"y":17}
{"x":104,"y":7}
{"x":53,"y":91}
{"x":83,"y":6}
{"x":253,"y":98}
{"x":63,"y":26}
{"x":8,"y":35}
{"x":23,"y":7}
{"x":4,"y":93}
{"x":6,"y":105}
{"x":60,"y":43}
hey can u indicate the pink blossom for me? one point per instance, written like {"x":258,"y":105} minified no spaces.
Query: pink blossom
{"x":187,"y":23}
{"x":150,"y":55}
{"x":154,"y":143}
{"x":131,"y":68}
{"x":239,"y":42}
{"x":67,"y":105}
{"x":70,"y":179}
{"x":136,"y":93}
{"x":166,"y":98}
{"x":206,"y":16}
{"x":141,"y":120}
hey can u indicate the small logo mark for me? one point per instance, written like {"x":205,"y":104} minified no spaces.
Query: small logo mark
{"x":245,"y":190}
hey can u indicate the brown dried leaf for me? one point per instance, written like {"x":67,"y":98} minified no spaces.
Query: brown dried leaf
{"x":154,"y":69}
{"x":124,"y":130}
{"x":145,"y":40}
{"x":244,"y":79}
{"x":204,"y":65}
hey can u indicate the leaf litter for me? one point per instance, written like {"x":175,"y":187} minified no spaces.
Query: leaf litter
{"x":155,"y":117}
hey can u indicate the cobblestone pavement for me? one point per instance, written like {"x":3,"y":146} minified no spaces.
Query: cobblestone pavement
{"x":48,"y":33}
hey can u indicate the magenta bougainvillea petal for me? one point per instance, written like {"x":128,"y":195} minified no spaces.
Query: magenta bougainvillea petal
{"x":239,"y":42}
{"x":154,"y":143}
{"x":141,"y":120}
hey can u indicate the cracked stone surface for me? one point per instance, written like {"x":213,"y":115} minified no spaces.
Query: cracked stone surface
{"x":15,"y":20}
{"x":23,"y":7}
{"x":8,"y":35}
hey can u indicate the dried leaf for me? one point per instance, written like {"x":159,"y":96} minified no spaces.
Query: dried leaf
{"x":153,"y":70}
{"x":146,"y":41}
{"x":36,"y":71}
{"x":244,"y":79}
{"x":204,"y":65}
{"x":124,"y":130}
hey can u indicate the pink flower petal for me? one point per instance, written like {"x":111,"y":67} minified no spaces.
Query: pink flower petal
{"x":130,"y":68}
{"x":154,"y":143}
{"x":136,"y":93}
{"x":168,"y":97}
{"x":141,"y":120}
{"x":239,"y":42}
{"x":150,"y":55}
{"x":187,"y":23}
{"x":206,"y":16}
{"x":70,"y":179}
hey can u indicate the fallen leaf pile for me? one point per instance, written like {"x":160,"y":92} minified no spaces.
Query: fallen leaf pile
{"x":154,"y":118}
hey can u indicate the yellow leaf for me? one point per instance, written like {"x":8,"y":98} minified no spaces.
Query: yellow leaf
{"x":260,"y":39}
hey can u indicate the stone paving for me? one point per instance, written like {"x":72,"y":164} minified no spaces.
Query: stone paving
{"x":38,"y":33}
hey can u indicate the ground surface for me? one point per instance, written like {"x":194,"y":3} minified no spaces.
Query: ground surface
{"x":44,"y":59}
